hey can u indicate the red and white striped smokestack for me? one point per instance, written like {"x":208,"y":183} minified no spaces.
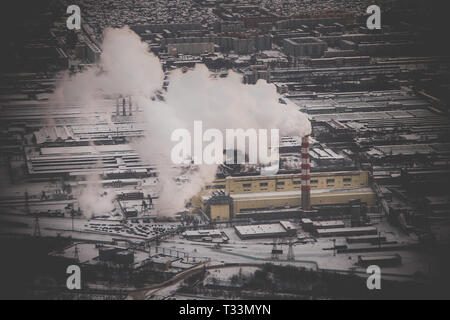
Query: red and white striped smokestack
{"x":306,"y":176}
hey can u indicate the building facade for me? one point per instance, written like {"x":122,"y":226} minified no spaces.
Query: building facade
{"x":253,"y":193}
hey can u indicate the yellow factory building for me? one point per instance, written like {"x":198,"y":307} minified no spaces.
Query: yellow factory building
{"x":250,"y":193}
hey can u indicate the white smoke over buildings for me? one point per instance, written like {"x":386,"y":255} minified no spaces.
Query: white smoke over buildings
{"x":227,"y":103}
{"x":128,"y":68}
{"x":94,"y":200}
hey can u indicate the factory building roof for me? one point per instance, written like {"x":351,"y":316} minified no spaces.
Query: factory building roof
{"x":68,"y":160}
{"x":325,"y":154}
{"x":260,"y":229}
{"x":85,"y":149}
{"x":202,"y":233}
{"x":51,"y":134}
{"x":347,"y":231}
{"x":328,"y":224}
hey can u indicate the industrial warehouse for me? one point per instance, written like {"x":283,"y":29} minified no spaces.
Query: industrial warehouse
{"x":235,"y":196}
{"x":90,"y":126}
{"x":250,"y":194}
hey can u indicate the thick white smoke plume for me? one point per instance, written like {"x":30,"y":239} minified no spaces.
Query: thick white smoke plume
{"x":94,"y":200}
{"x":227,"y":103}
{"x":127,"y":67}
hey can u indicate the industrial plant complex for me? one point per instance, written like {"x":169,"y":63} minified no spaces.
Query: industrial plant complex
{"x":86,"y":178}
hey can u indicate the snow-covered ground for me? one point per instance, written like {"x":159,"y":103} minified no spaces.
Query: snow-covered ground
{"x":309,"y":255}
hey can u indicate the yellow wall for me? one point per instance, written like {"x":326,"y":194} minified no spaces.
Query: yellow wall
{"x":281,"y":200}
{"x":264,"y":202}
{"x":285,"y":190}
{"x":220,"y":212}
{"x":290,"y":182}
{"x":343,"y":198}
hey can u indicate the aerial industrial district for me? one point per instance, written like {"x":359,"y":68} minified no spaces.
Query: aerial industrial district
{"x":368,"y":186}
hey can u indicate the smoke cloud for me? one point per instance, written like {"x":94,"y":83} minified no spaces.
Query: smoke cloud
{"x":94,"y":200}
{"x":128,"y":68}
{"x":227,"y":103}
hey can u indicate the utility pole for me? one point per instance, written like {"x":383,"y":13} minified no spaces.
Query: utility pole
{"x":37,"y":228}
{"x":275,"y":251}
{"x":72,"y":213}
{"x":379,"y":240}
{"x":27,"y":206}
{"x":77,"y":253}
{"x":290,"y":255}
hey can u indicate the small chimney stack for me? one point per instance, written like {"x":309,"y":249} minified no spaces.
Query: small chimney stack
{"x":131,"y":106}
{"x":306,"y":174}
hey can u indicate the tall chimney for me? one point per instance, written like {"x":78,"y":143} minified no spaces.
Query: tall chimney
{"x":124,"y":111}
{"x":306,"y":177}
{"x":131,"y":106}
